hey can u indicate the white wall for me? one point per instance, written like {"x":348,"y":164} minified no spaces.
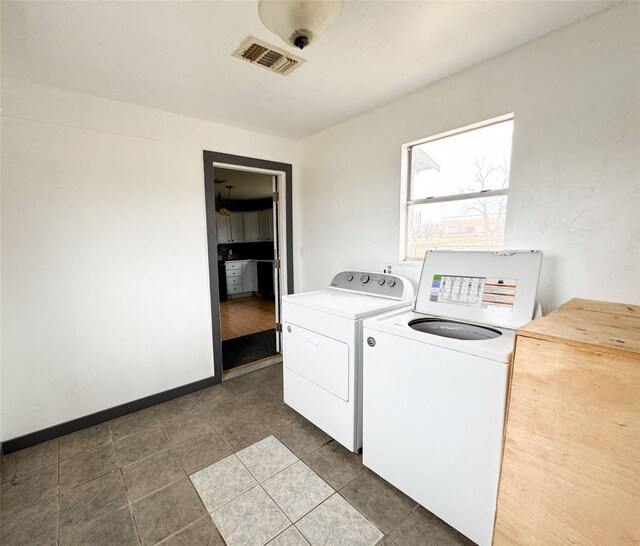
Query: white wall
{"x":575,"y":165}
{"x":105,"y":287}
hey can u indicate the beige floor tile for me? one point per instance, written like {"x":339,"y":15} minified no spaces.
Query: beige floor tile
{"x":337,"y":523}
{"x":250,"y":520}
{"x":297,"y":490}
{"x":289,"y":537}
{"x":222,"y":481}
{"x":266,"y":457}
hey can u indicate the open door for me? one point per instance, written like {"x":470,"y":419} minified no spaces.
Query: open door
{"x":276,"y":263}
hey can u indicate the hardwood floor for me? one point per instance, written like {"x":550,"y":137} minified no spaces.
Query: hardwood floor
{"x":244,"y":316}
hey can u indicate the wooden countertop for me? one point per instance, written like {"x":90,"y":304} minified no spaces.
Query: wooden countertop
{"x":608,"y":327}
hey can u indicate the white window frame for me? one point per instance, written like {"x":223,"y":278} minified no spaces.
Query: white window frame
{"x":406,"y":179}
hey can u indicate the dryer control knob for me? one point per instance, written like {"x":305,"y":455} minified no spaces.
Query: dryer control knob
{"x":371,"y":342}
{"x":391,"y":283}
{"x":349,"y":277}
{"x":364,"y":279}
{"x":380,"y":282}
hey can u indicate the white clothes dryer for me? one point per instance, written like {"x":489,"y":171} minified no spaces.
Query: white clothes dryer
{"x":435,"y":381}
{"x":322,"y":348}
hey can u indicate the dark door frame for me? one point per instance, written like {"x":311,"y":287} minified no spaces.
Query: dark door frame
{"x":209,"y":158}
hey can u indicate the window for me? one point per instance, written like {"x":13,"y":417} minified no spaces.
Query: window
{"x":456,"y":189}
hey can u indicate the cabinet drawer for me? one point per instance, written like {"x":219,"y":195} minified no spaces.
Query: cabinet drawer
{"x":230,"y":266}
{"x":236,"y":289}
{"x":233,"y":281}
{"x":234,"y":273}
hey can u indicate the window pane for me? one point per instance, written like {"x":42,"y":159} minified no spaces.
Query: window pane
{"x":467,"y":162}
{"x":467,"y":224}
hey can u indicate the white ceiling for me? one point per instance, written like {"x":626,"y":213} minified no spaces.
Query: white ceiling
{"x":176,"y":56}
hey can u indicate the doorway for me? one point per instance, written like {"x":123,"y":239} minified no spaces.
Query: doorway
{"x":248,"y":211}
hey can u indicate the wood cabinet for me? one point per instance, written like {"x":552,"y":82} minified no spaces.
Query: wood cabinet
{"x":571,"y":466}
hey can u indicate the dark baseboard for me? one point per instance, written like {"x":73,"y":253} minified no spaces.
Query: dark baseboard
{"x":55,"y":431}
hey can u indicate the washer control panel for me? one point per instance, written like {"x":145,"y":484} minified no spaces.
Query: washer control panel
{"x":373,"y":284}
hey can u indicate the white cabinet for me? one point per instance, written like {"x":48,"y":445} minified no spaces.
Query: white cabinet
{"x":251,"y":226}
{"x":234,"y":285}
{"x":223,"y":228}
{"x":249,"y":276}
{"x":234,"y":277}
{"x":245,"y":227}
{"x":266,"y":225}
{"x":242,"y":276}
{"x":237,"y":227}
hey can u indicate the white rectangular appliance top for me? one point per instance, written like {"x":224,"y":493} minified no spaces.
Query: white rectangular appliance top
{"x":344,"y":304}
{"x":498,"y":349}
{"x":494,"y":288}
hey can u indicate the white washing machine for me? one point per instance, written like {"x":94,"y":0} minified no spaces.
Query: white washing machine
{"x":322,"y":348}
{"x":435,"y":381}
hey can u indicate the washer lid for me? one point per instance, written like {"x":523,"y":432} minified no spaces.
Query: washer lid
{"x":344,"y":304}
{"x":497,"y":288}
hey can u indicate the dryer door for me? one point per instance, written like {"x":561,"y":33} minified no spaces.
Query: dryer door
{"x":320,"y":359}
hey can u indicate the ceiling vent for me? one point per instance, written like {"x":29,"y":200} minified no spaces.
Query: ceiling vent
{"x":267,"y":56}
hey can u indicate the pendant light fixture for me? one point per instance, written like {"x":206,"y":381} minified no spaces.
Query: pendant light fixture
{"x":221,"y":207}
{"x":298,"y":22}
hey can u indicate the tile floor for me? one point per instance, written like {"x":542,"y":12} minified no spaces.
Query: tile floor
{"x":231,"y":464}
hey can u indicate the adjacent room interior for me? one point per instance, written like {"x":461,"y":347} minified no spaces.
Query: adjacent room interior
{"x":246,"y":249}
